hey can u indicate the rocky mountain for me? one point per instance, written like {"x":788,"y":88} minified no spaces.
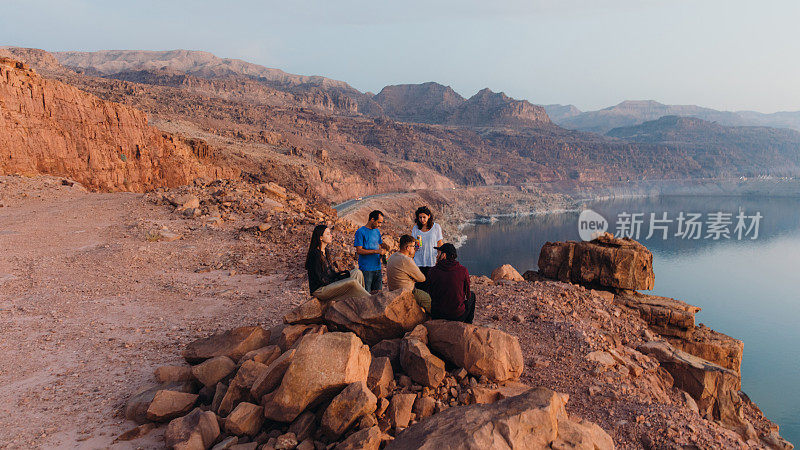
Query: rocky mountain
{"x":48,"y":127}
{"x":496,"y":109}
{"x":422,"y":103}
{"x":632,"y":112}
{"x":750,"y":150}
{"x":557,"y":113}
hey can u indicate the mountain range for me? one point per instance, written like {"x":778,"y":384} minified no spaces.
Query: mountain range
{"x":634,"y":112}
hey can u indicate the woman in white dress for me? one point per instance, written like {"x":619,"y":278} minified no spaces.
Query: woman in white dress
{"x":427,"y":234}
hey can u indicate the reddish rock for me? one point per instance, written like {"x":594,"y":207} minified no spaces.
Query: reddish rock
{"x":366,"y":439}
{"x":486,"y":394}
{"x":385,"y":315}
{"x":606,"y":261}
{"x":354,"y":402}
{"x":292,"y":333}
{"x":245,"y":419}
{"x":304,"y":426}
{"x":506,"y":272}
{"x":424,"y":407}
{"x":322,"y":366}
{"x":272,"y":376}
{"x":399,"y":412}
{"x":309,"y":312}
{"x":389,"y":348}
{"x":57,"y":129}
{"x":531,"y":420}
{"x":211,"y":371}
{"x":263,"y":355}
{"x":167,"y":405}
{"x":664,"y":315}
{"x":420,"y":364}
{"x":233,"y":343}
{"x":170,"y":374}
{"x":712,"y":346}
{"x":136,"y":407}
{"x":481,"y":351}
{"x":196,"y":430}
{"x":380,"y":376}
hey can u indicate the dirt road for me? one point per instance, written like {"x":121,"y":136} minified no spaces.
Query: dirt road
{"x":89,"y":306}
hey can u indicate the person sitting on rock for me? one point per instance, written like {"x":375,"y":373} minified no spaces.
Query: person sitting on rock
{"x":402,"y":272}
{"x":448,"y":286}
{"x":324,"y":282}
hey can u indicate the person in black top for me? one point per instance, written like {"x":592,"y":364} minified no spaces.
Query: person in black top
{"x":324,"y":282}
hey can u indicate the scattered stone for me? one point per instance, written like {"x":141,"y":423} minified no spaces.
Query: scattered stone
{"x":167,"y":405}
{"x":219,"y":394}
{"x":233,"y":343}
{"x":226,"y":443}
{"x":137,"y":405}
{"x":424,"y":407}
{"x":303,"y":427}
{"x":486,"y":394}
{"x":245,"y":419}
{"x":385,"y":315}
{"x":322,"y":366}
{"x":212,"y":371}
{"x":482,"y":351}
{"x":389,"y":348}
{"x":287,"y":441}
{"x":291,"y":334}
{"x":600,"y":357}
{"x":196,"y":430}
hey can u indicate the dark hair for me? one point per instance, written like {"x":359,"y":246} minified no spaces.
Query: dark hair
{"x":405,"y":241}
{"x":375,"y":215}
{"x":316,"y":240}
{"x":423,"y":210}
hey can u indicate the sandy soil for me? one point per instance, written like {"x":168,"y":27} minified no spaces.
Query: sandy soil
{"x":89,"y":306}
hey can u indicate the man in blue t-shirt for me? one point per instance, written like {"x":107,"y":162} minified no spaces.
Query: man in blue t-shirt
{"x":370,"y":248}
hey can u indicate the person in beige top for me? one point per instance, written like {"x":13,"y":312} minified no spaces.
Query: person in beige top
{"x":402,"y":272}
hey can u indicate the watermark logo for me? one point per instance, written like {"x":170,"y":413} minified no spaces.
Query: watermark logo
{"x":715,"y":226}
{"x":591,"y":225}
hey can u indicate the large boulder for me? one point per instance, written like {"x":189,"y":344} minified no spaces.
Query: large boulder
{"x":322,"y":366}
{"x":479,"y":350}
{"x":714,"y":388}
{"x":194,"y":431}
{"x":309,"y":312}
{"x":533,"y":420}
{"x":385,"y":315}
{"x":233,"y":343}
{"x":506,"y":272}
{"x":664,"y":315}
{"x":211,"y":371}
{"x":271,"y":377}
{"x":137,"y":406}
{"x":606,"y":261}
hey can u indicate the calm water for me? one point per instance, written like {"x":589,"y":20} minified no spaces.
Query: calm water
{"x":746,"y":288}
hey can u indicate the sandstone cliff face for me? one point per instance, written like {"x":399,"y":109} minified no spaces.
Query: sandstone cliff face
{"x":47,"y":127}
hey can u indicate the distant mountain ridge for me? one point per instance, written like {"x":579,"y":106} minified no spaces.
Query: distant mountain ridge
{"x":635,"y":112}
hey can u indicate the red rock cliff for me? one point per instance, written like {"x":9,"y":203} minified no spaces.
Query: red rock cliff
{"x":47,"y":127}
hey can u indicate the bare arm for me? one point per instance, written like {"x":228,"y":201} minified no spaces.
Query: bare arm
{"x":363,"y":251}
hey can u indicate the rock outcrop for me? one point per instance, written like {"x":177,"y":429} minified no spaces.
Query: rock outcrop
{"x":535,"y":419}
{"x":48,"y":127}
{"x":605,"y":262}
{"x":385,"y":315}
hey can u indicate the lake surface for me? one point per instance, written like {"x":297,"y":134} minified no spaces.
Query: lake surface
{"x":746,"y":288}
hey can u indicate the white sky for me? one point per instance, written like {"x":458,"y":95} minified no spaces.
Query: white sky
{"x":592,"y":53}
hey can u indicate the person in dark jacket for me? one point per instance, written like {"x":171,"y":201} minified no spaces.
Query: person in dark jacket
{"x":448,"y":285}
{"x":324,"y":282}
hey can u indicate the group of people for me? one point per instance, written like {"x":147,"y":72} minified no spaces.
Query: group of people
{"x":423,"y":264}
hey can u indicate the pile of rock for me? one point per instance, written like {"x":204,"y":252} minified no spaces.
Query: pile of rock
{"x":361,"y":373}
{"x":704,"y":363}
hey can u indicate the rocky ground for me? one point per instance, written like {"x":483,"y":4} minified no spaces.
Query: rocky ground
{"x":99,"y":290}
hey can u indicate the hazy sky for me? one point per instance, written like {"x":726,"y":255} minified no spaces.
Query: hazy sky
{"x":726,"y":54}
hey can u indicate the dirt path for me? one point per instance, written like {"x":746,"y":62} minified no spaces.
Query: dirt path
{"x":89,"y":307}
